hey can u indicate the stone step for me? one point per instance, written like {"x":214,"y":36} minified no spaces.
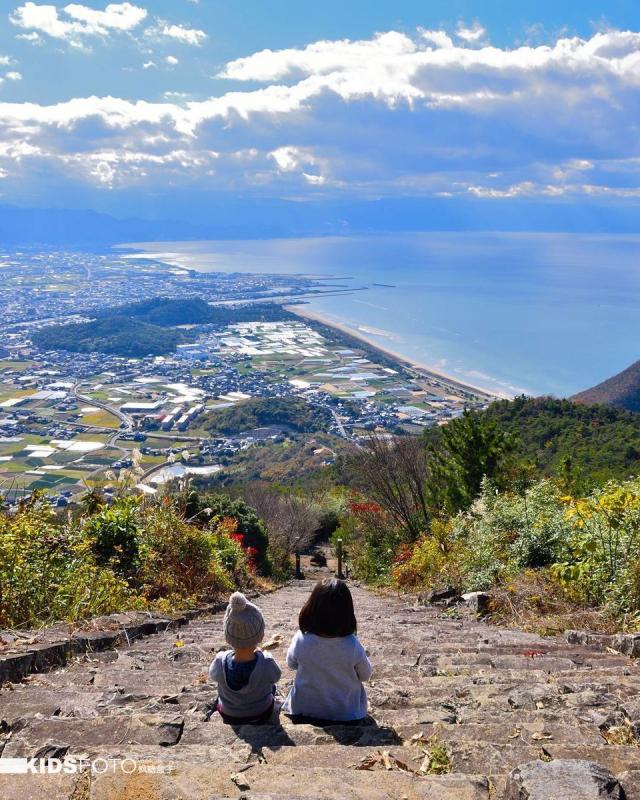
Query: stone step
{"x":320,"y":783}
{"x":162,"y":730}
{"x":484,"y":693}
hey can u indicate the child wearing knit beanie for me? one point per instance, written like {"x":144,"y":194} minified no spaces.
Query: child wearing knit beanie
{"x":245,"y":676}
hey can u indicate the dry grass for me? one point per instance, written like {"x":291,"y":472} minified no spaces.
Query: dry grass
{"x":536,"y":603}
{"x":620,"y":735}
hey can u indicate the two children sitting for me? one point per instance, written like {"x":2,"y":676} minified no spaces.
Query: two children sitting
{"x":329,"y":661}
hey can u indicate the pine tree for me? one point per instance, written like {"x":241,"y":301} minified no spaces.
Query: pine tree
{"x":471,"y":448}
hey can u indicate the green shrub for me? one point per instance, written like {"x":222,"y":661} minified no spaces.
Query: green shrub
{"x":203,"y":508}
{"x":506,"y":532}
{"x":180,"y":560}
{"x":48,"y":571}
{"x":603,"y":560}
{"x":370,"y":541}
{"x":114,"y":535}
{"x":131,"y":555}
{"x":432,"y":563}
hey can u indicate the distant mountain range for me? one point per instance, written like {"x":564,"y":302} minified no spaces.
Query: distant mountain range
{"x":247,"y":217}
{"x":621,"y":391}
{"x":64,"y":227}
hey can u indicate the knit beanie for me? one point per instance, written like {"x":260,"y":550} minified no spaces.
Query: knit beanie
{"x":243,"y":622}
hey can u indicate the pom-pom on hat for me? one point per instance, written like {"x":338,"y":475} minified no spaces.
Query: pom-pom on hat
{"x":243,"y":622}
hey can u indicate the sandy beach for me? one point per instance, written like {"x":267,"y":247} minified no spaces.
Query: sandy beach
{"x":425,"y":369}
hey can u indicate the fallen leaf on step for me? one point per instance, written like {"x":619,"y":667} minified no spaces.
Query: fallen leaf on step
{"x":516,"y":732}
{"x":240,"y":782}
{"x":538,"y":737}
{"x":274,"y":642}
{"x":539,"y":704}
{"x":178,"y":643}
{"x":385,"y":760}
{"x":425,"y":767}
{"x":416,"y":738}
{"x":369,"y":762}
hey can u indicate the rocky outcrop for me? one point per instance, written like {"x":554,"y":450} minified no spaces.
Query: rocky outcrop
{"x":562,"y":779}
{"x":460,"y":710}
{"x":627,"y":643}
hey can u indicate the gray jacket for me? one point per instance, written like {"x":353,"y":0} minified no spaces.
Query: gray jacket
{"x":254,"y":698}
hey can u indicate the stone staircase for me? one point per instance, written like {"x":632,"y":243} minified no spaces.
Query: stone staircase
{"x":449,"y":694}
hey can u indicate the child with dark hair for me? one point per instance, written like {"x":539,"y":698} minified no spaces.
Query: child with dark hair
{"x":330,"y":663}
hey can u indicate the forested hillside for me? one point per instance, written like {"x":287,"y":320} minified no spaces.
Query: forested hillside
{"x":148,"y":328}
{"x":288,"y":412}
{"x":592,"y":443}
{"x":115,"y":335}
{"x":194,"y":311}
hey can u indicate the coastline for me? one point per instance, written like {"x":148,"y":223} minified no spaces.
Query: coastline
{"x":176,"y":260}
{"x":424,"y":369}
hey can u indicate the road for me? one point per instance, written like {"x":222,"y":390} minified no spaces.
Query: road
{"x":124,"y":418}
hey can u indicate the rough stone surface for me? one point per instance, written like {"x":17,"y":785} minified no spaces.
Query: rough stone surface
{"x":630,"y":782}
{"x":562,"y":779}
{"x":627,"y":643}
{"x":495,"y":699}
{"x":478,"y":602}
{"x":439,"y":596}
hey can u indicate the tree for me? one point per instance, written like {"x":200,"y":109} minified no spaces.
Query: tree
{"x":394,"y":473}
{"x":471,"y":448}
{"x":202,"y":508}
{"x":291,"y":520}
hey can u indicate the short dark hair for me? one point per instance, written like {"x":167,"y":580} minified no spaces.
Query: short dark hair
{"x":329,"y":610}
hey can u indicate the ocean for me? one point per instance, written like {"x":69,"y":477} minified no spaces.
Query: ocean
{"x":513,"y":313}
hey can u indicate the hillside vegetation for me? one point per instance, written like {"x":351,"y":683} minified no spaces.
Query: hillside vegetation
{"x":147,"y":328}
{"x":134,"y":554}
{"x":463,"y":509}
{"x":533,"y":500}
{"x":588,"y":444}
{"x":116,"y":335}
{"x":194,"y":311}
{"x":288,"y":413}
{"x":622,"y":390}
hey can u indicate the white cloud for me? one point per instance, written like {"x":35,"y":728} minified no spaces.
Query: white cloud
{"x":5,"y":61}
{"x":13,"y":76}
{"x":180,"y":33}
{"x":471,"y":35}
{"x":75,"y":22}
{"x":321,"y":58}
{"x":426,"y":115}
{"x":34,"y":37}
{"x":116,"y":16}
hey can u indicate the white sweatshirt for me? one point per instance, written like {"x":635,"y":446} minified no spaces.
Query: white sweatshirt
{"x":329,"y":676}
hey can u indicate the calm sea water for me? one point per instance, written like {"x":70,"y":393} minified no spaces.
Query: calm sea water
{"x":534,"y":313}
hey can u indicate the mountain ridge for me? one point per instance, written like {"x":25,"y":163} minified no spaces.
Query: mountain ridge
{"x":621,"y":390}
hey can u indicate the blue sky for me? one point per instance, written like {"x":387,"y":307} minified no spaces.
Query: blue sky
{"x":134,"y":105}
